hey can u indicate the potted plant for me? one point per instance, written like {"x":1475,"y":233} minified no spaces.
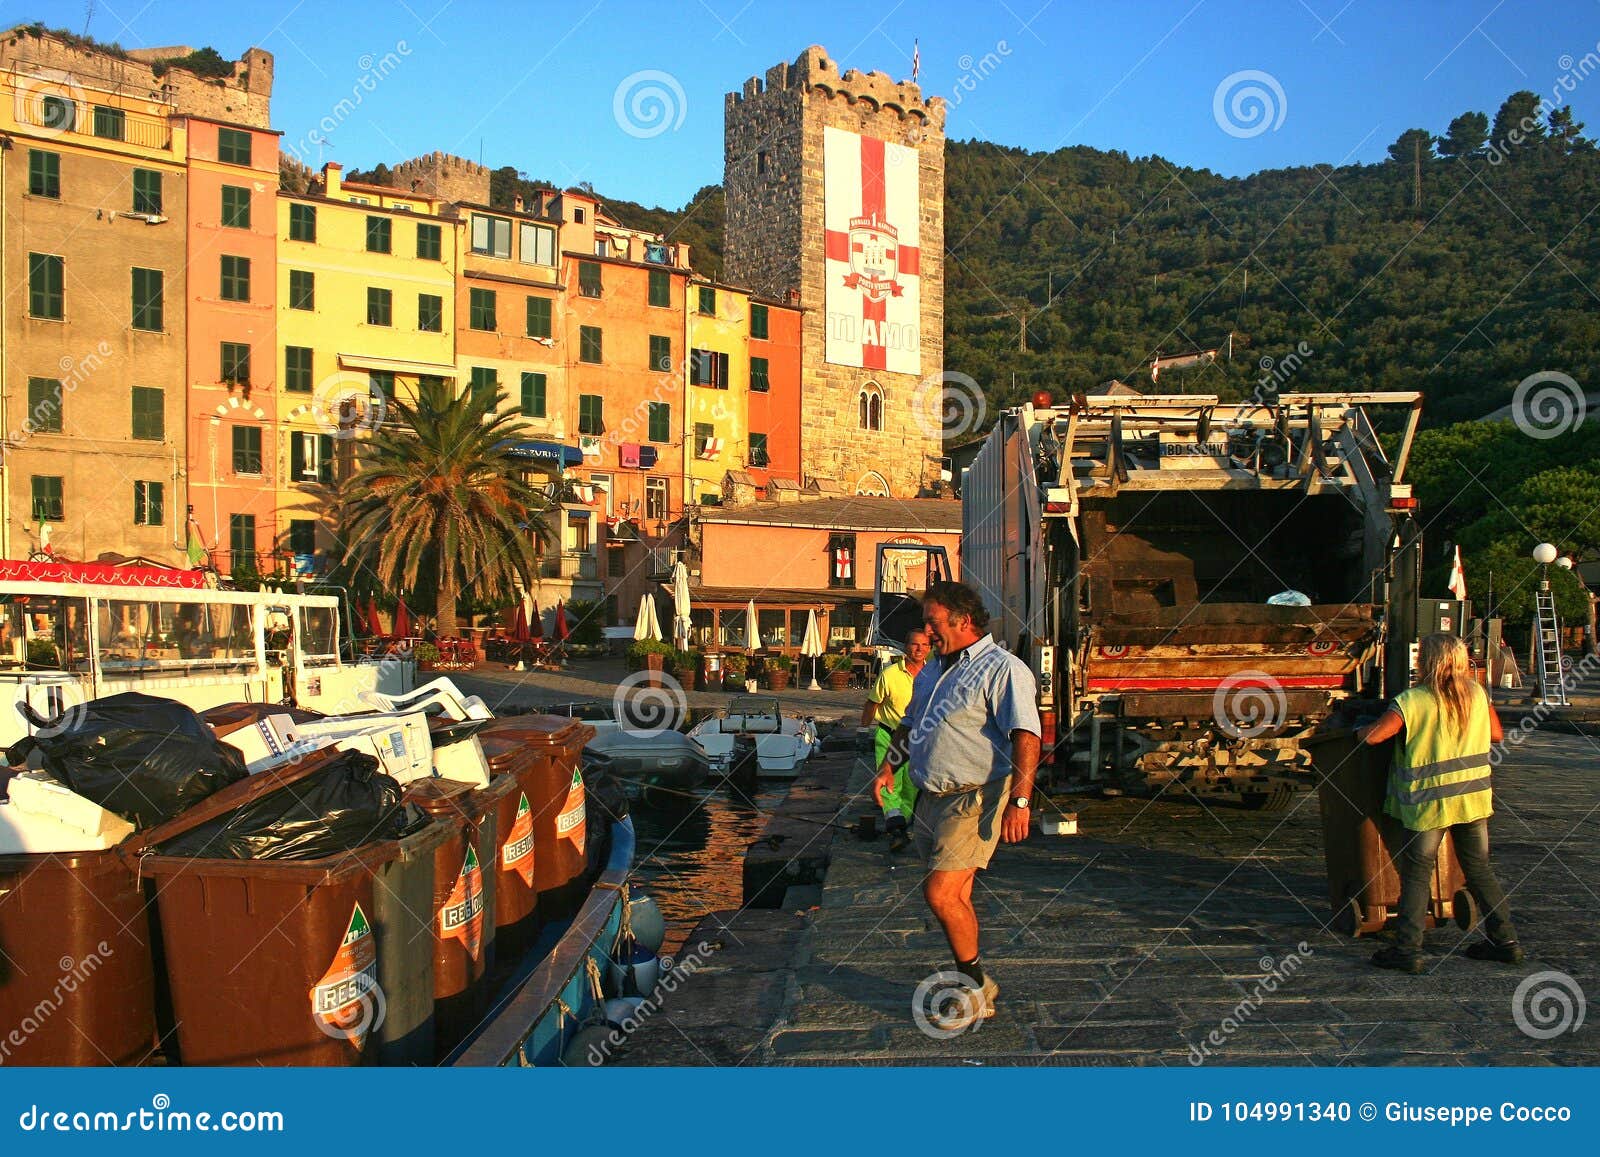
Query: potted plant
{"x":776,"y":670}
{"x":649,"y":655}
{"x":426,"y":655}
{"x":694,"y":669}
{"x":734,"y":665}
{"x":837,"y":666}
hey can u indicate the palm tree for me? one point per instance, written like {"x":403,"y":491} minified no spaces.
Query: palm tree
{"x":439,"y":490}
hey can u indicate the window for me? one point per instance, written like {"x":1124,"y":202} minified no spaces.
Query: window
{"x":302,"y":289}
{"x":758,"y":449}
{"x":577,"y":216}
{"x":380,"y":232}
{"x":47,"y":498}
{"x":381,"y":382}
{"x":871,"y":407}
{"x":235,"y":207}
{"x":660,"y":353}
{"x":236,"y":363}
{"x":149,"y":509}
{"x":235,"y":278}
{"x":45,"y":405}
{"x":760,"y":376}
{"x":616,"y":561}
{"x":661,"y":288}
{"x":656,"y":253}
{"x":44,"y":173}
{"x":758,"y":321}
{"x":242,"y":542}
{"x":380,"y":306}
{"x":491,"y":236}
{"x":481,"y":309}
{"x":302,"y":536}
{"x":146,"y":191}
{"x":310,"y":459}
{"x":589,"y":344}
{"x":533,"y":394}
{"x":655,"y":498}
{"x":660,"y":421}
{"x":149,"y":413}
{"x":708,"y":368}
{"x":149,"y":311}
{"x":302,"y":222}
{"x":591,"y":414}
{"x":708,"y":300}
{"x":297,"y":369}
{"x":538,"y":245}
{"x":485,"y":384}
{"x":430,"y":313}
{"x":703,"y":433}
{"x":45,"y":295}
{"x":538,"y":317}
{"x":247,"y":449}
{"x":602,"y":247}
{"x":841,"y":560}
{"x":58,"y":114}
{"x":110,"y":123}
{"x":429,"y":244}
{"x":589,"y":278}
{"x":233,"y":146}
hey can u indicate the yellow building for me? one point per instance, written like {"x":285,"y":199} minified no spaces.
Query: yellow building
{"x":717,"y":407}
{"x":366,"y":309}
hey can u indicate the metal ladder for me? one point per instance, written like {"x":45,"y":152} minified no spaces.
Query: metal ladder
{"x":1547,"y":649}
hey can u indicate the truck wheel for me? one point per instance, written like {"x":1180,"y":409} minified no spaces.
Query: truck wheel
{"x":1267,"y":801}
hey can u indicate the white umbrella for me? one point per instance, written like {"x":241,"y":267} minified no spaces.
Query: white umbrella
{"x":646,"y":625}
{"x":752,"y":638}
{"x":812,"y":645}
{"x":680,"y":605}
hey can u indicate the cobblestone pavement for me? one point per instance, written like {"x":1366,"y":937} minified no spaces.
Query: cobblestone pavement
{"x":1135,"y":941}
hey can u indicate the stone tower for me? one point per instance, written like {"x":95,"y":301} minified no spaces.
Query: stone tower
{"x":835,"y":197}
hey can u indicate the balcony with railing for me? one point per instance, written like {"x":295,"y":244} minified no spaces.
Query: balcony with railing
{"x":579,"y":565}
{"x":62,"y":116}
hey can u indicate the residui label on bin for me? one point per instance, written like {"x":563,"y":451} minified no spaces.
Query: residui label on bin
{"x":516,"y":854}
{"x":570,"y":822}
{"x":462,"y":914}
{"x":341,"y":1000}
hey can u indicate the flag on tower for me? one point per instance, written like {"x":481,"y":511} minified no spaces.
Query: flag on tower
{"x":1458,"y":578}
{"x":916,"y":60}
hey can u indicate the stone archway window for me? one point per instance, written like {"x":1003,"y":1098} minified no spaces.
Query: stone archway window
{"x":871,"y":406}
{"x":872,"y":484}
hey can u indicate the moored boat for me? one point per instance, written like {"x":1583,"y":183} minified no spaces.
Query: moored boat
{"x":783,"y":741}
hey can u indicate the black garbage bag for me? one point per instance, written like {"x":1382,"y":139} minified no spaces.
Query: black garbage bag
{"x":341,"y":806}
{"x":142,"y":757}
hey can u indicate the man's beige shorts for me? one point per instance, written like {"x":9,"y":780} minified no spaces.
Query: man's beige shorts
{"x":960,"y":831}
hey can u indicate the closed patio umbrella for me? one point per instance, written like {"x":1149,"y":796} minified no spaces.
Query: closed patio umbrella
{"x":519,"y":625}
{"x":812,"y":645}
{"x":680,"y":605}
{"x":535,"y":622}
{"x":752,"y":637}
{"x":374,"y":624}
{"x":646,"y":625}
{"x":561,"y":619}
{"x":402,"y":619}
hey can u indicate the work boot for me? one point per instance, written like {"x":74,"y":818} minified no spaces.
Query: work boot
{"x":961,"y":1008}
{"x":1507,"y":953}
{"x":1398,"y":959}
{"x":899,"y":833}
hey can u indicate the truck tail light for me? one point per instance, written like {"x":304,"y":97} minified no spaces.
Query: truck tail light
{"x":1057,"y":508}
{"x":1403,"y":503}
{"x":1047,"y":720}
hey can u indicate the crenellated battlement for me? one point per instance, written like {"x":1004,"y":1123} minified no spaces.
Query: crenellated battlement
{"x":815,"y":73}
{"x":444,"y":175}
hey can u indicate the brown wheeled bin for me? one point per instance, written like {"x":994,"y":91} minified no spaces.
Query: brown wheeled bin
{"x":515,"y":898}
{"x":463,"y":903}
{"x":76,"y":979}
{"x":548,"y":752}
{"x":1363,"y":886}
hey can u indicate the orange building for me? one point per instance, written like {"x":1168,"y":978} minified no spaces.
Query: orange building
{"x":774,"y":424}
{"x":231,"y":301}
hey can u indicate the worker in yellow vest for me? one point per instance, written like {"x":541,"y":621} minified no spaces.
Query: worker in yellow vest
{"x":886,"y":705}
{"x":1440,"y":782}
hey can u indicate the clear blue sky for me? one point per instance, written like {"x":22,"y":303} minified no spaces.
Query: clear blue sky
{"x":533,"y":84}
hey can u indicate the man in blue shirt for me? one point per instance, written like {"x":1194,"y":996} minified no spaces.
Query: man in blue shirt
{"x":971,"y":735}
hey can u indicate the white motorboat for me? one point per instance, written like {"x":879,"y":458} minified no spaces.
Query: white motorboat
{"x":783,"y":741}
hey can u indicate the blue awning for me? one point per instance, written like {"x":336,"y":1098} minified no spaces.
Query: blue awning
{"x":555,"y":451}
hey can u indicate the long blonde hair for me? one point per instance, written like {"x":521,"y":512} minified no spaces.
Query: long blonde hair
{"x":1445,"y":668}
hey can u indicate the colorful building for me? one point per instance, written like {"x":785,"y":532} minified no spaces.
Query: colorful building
{"x":231,"y":295}
{"x":366,"y":309}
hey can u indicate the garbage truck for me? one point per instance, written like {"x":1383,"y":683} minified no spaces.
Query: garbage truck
{"x":1196,"y":584}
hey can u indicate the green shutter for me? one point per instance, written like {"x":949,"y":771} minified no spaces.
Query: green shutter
{"x":760,"y":379}
{"x":538,"y":317}
{"x":235,"y":278}
{"x":660,"y":288}
{"x":660,"y":353}
{"x":46,"y":404}
{"x":146,"y":191}
{"x":302,"y":289}
{"x":533,"y":399}
{"x":324,"y":457}
{"x":758,"y":321}
{"x":149,"y":413}
{"x":481,"y":303}
{"x":44,"y":173}
{"x":233,"y":146}
{"x":297,"y":369}
{"x":302,"y":222}
{"x":235,"y":207}
{"x":45,"y":296}
{"x":379,"y":235}
{"x":660,"y":421}
{"x":428,"y":242}
{"x":148,"y":305}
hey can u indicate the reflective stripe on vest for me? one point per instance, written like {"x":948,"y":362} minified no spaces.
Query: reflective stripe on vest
{"x":1431,"y":784}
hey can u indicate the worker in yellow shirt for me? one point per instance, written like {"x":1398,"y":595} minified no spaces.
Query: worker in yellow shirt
{"x":886,"y":705}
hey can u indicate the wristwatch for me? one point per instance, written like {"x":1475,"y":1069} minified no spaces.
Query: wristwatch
{"x":1020,"y":801}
